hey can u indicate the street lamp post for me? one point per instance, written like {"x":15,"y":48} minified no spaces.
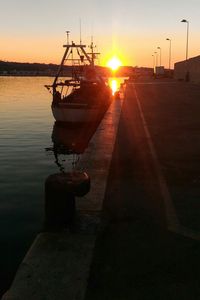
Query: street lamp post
{"x":170,"y":51}
{"x":160,"y":54}
{"x":185,"y":21}
{"x":153,"y":62}
{"x":156,"y":54}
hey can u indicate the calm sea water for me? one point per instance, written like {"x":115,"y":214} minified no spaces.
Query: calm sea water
{"x":26,"y":124}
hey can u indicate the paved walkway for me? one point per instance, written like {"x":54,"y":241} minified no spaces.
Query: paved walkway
{"x":137,"y":256}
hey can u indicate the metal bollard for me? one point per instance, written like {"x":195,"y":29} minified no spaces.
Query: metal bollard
{"x":60,"y":192}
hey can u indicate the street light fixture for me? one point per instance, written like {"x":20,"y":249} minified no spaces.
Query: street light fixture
{"x":185,"y":21}
{"x":160,"y":54}
{"x":170,"y":49}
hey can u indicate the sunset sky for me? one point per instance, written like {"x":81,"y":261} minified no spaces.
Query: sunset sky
{"x":34,"y":30}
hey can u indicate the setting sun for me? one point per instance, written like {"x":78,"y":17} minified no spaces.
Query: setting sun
{"x":114,"y":63}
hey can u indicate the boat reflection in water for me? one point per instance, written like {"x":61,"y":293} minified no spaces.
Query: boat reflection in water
{"x":70,"y":141}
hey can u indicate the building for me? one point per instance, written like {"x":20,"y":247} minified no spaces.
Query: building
{"x":188,"y":70}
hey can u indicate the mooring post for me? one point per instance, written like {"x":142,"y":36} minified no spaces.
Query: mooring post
{"x":60,"y":192}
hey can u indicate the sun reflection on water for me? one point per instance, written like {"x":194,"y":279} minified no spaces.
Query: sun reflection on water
{"x":114,"y":84}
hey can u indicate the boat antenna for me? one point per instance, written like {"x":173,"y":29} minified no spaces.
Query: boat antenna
{"x":80,"y":31}
{"x":67,"y":36}
{"x":92,"y":49}
{"x":98,"y":53}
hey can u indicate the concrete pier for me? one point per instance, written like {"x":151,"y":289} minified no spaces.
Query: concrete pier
{"x":140,"y":224}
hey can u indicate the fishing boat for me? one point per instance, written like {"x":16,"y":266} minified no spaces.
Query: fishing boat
{"x":83,"y":96}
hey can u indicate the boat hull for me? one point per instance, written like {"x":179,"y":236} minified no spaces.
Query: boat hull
{"x":78,"y":113}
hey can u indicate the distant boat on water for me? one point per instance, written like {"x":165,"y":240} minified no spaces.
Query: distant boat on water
{"x":84,"y":96}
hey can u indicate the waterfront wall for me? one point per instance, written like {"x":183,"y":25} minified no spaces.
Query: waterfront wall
{"x":188,"y":70}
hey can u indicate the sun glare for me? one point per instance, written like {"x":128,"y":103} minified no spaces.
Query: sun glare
{"x":114,"y":63}
{"x":114,"y":84}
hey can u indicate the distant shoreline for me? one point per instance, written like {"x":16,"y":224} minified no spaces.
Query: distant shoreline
{"x":50,"y":70}
{"x":29,"y":75}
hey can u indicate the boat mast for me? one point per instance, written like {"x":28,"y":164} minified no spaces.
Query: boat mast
{"x":62,"y":61}
{"x":90,"y":57}
{"x":93,"y":54}
{"x":80,"y":33}
{"x":67,"y":36}
{"x":61,"y":64}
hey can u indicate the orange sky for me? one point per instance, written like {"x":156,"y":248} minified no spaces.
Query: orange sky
{"x":131,"y":51}
{"x":131,"y":30}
